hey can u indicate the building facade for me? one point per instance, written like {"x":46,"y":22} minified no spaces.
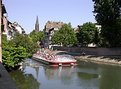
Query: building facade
{"x":49,"y":30}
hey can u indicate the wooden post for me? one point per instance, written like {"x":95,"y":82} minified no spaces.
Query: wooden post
{"x":0,"y":30}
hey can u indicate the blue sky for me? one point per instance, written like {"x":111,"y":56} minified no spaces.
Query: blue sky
{"x":25,"y":11}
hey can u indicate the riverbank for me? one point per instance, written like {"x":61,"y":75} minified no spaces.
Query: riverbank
{"x":109,"y":60}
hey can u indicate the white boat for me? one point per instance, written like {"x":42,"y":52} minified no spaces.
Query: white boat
{"x":55,"y":60}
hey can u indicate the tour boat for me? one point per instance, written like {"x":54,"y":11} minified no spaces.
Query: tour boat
{"x":55,"y":60}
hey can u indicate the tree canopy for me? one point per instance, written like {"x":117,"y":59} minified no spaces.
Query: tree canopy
{"x":17,"y":49}
{"x":87,"y":34}
{"x":20,"y":40}
{"x":108,"y":15}
{"x":36,"y":36}
{"x":65,"y":36}
{"x":12,"y":55}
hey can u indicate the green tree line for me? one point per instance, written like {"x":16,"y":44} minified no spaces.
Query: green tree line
{"x":67,"y":36}
{"x":20,"y":47}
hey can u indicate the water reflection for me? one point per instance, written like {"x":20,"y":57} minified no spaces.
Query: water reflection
{"x":25,"y":81}
{"x":110,"y":78}
{"x":85,"y":76}
{"x":58,"y":73}
{"x":64,"y":75}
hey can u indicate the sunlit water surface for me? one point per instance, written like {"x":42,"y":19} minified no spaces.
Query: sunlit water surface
{"x":35,"y":75}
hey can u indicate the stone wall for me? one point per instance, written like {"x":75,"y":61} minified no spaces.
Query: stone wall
{"x":5,"y":80}
{"x":92,"y":51}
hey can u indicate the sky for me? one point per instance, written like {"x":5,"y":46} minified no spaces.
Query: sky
{"x":25,"y":12}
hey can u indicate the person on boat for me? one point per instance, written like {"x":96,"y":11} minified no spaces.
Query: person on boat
{"x":83,"y":53}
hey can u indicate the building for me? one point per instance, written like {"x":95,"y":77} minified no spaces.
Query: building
{"x":98,"y":27}
{"x":49,"y":30}
{"x":53,"y":25}
{"x":8,"y":28}
{"x":12,"y":28}
{"x":4,"y":20}
{"x":2,"y":14}
{"x":37,"y":24}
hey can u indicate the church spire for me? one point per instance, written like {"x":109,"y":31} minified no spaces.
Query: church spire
{"x":37,"y":25}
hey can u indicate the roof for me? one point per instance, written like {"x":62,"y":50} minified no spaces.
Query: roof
{"x":49,"y":25}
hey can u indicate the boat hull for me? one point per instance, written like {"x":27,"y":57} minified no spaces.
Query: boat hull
{"x":54,"y":63}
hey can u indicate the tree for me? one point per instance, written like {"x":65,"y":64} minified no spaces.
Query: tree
{"x":36,"y":36}
{"x":96,"y":38}
{"x":17,"y":49}
{"x":65,"y":36}
{"x":107,"y":14}
{"x":12,"y":55}
{"x":87,"y":34}
{"x":24,"y":41}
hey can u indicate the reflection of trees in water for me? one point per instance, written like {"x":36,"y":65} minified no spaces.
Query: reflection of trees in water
{"x":25,"y":81}
{"x":87,"y":70}
{"x":87,"y":76}
{"x":62,"y":73}
{"x":110,"y":78}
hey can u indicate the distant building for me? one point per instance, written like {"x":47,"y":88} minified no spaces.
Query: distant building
{"x":49,"y":30}
{"x":77,"y":29}
{"x":8,"y":28}
{"x":53,"y":25}
{"x":98,"y":27}
{"x":12,"y":28}
{"x":18,"y":28}
{"x":37,"y":24}
{"x":4,"y":20}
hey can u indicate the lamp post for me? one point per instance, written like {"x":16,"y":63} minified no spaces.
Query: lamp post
{"x":0,"y":31}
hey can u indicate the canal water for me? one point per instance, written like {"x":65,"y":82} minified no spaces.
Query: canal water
{"x":35,"y":75}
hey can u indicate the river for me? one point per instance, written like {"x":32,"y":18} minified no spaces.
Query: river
{"x":35,"y":75}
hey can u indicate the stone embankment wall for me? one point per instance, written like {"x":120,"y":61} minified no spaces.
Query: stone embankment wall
{"x":92,"y":51}
{"x":6,"y":81}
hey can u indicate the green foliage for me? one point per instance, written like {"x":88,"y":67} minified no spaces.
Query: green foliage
{"x":12,"y":55}
{"x":88,"y":33}
{"x":108,"y":15}
{"x":36,"y":36}
{"x":4,"y":41}
{"x":17,"y":49}
{"x":96,"y":39}
{"x":24,"y":41}
{"x":25,"y":81}
{"x":106,"y":11}
{"x":65,"y":36}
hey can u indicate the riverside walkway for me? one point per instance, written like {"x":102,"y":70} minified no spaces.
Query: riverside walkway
{"x":5,"y":80}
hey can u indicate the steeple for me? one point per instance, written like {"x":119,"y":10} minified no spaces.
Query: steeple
{"x":37,"y":25}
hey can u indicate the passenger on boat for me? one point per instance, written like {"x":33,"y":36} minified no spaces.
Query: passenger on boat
{"x":83,"y":53}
